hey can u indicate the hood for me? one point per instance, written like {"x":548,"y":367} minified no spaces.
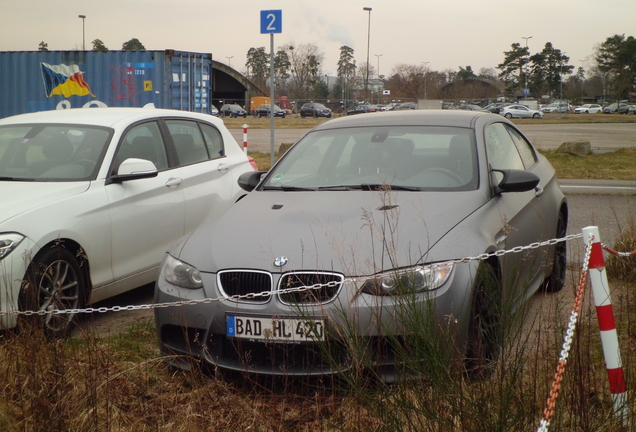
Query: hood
{"x":352,"y":232}
{"x":21,"y":197}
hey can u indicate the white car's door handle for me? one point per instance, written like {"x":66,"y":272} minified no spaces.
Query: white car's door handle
{"x":173,"y":182}
{"x":538,"y":191}
{"x":223,"y":167}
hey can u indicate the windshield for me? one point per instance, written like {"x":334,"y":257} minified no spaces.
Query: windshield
{"x":370,"y":158}
{"x":45,"y":152}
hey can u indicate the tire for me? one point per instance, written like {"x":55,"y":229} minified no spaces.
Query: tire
{"x":508,"y":115}
{"x":53,"y":281}
{"x":535,"y":115}
{"x":484,"y":327}
{"x":556,"y":280}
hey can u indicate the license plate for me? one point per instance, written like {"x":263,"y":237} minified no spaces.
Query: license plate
{"x":275,"y":329}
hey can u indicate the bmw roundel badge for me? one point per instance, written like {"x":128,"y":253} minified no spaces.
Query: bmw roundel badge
{"x":280,"y":262}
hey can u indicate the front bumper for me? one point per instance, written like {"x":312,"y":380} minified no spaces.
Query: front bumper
{"x":361,"y":329}
{"x":12,"y":271}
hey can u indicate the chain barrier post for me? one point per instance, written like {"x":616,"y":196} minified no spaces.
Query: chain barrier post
{"x":607,"y":325}
{"x":567,"y":345}
{"x":245,"y":138}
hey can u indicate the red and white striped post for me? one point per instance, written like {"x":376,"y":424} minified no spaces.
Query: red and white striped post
{"x":245,"y":138}
{"x":605,"y":314}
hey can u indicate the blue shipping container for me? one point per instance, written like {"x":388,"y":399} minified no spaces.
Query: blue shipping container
{"x":38,"y":81}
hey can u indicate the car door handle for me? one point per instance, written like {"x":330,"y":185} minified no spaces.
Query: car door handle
{"x":538,"y":191}
{"x":173,"y":182}
{"x":223,"y":167}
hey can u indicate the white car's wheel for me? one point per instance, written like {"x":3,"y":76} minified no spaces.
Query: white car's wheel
{"x":54,"y":281}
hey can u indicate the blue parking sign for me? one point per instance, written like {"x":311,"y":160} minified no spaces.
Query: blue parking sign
{"x":272,"y":21}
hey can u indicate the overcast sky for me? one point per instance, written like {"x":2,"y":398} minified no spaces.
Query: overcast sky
{"x":445,"y":33}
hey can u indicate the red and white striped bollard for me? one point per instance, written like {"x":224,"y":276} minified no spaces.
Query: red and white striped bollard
{"x":245,"y":138}
{"x":607,"y":325}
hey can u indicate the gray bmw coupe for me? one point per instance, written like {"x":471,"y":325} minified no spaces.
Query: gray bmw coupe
{"x":357,"y":238}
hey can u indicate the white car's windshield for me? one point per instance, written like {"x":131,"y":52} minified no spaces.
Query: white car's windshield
{"x":369,"y":158}
{"x":46,"y":152}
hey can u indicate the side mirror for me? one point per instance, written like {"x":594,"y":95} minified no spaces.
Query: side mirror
{"x":516,"y":181}
{"x":249,"y":180}
{"x":134,"y":169}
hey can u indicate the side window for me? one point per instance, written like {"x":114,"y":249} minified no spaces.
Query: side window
{"x":501,"y":150}
{"x":143,"y":142}
{"x":213,"y":140}
{"x":528,"y":156}
{"x":188,"y":141}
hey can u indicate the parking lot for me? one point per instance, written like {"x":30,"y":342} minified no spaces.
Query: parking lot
{"x":602,"y":136}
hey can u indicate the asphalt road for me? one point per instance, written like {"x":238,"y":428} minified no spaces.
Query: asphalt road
{"x":602,"y":136}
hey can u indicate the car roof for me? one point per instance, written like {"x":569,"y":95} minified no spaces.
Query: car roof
{"x":107,"y":117}
{"x":452,"y":118}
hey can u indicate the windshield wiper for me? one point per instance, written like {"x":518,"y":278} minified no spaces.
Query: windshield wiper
{"x":4,"y":178}
{"x":288,"y":188}
{"x":338,"y":187}
{"x":382,"y":186}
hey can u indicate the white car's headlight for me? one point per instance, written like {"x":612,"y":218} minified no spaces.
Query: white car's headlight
{"x":8,"y":242}
{"x":181,"y":274}
{"x":403,"y":281}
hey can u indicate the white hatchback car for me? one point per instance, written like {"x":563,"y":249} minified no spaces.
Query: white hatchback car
{"x":93,"y":198}
{"x":588,"y":109}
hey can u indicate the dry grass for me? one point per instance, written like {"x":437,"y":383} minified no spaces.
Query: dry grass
{"x":617,"y":165}
{"x":121,"y":383}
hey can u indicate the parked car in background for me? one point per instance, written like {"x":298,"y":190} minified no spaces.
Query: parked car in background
{"x":556,"y":107}
{"x":469,"y":107}
{"x":373,"y":215}
{"x":263,"y":111}
{"x":406,"y":106}
{"x":588,"y":109}
{"x":613,"y":107}
{"x":214,"y":111}
{"x":632,"y":109}
{"x":624,"y":108}
{"x":519,"y":111}
{"x":232,"y":111}
{"x":312,"y":109}
{"x":495,"y":107}
{"x":362,"y":108}
{"x":93,"y":197}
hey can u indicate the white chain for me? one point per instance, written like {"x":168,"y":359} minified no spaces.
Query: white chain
{"x":250,"y":296}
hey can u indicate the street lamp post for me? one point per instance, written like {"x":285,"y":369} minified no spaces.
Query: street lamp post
{"x":582,"y":79}
{"x":378,"y":56}
{"x":229,"y":60}
{"x":366,"y":81}
{"x":83,"y":17}
{"x":525,"y":74}
{"x":425,"y":72}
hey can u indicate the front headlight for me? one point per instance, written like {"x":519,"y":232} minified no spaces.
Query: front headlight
{"x":8,"y":242}
{"x":406,"y":281}
{"x":181,"y":274}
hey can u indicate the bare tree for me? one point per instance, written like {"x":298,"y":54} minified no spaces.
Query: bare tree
{"x":407,"y":81}
{"x":306,"y":69}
